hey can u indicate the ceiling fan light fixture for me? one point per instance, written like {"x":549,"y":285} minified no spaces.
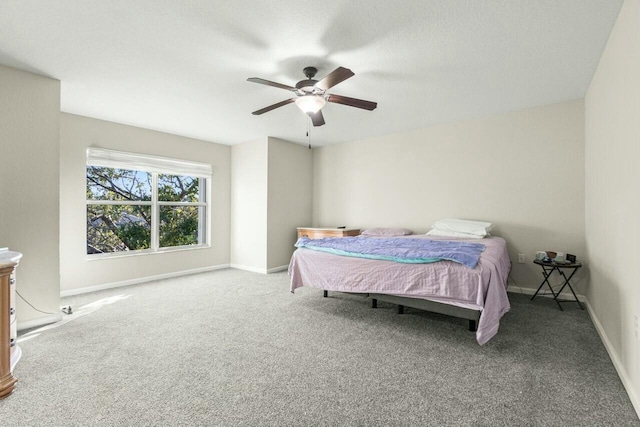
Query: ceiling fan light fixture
{"x":310,"y":103}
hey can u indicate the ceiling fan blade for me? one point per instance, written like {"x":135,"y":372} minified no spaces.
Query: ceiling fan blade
{"x":353,"y":102}
{"x":270,"y":83}
{"x":273,"y":107}
{"x":317,"y":118}
{"x":338,"y":75}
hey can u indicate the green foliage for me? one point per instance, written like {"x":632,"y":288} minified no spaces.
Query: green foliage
{"x":178,"y":225}
{"x":116,"y":228}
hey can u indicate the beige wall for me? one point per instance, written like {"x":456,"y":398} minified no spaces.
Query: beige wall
{"x":522,"y":171}
{"x":77,"y":272}
{"x":249,"y":205}
{"x":29,"y":188}
{"x":289,"y":198}
{"x":271,"y":196}
{"x":612,"y":201}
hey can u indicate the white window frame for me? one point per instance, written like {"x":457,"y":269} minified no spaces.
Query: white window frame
{"x":156,"y":165}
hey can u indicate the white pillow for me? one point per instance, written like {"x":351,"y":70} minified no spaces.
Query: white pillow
{"x":449,"y":233}
{"x":386,"y":232}
{"x":477,"y":228}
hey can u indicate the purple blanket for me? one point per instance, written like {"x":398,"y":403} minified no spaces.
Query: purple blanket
{"x":398,"y":249}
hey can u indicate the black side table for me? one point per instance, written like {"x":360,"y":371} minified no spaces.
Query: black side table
{"x":548,"y":268}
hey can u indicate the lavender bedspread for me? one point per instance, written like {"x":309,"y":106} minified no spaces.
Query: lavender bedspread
{"x":482,"y":288}
{"x":414,"y":250}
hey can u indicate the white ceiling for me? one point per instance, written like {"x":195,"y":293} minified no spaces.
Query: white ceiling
{"x":181,"y":66}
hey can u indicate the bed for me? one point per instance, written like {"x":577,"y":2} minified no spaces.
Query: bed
{"x":476,"y":294}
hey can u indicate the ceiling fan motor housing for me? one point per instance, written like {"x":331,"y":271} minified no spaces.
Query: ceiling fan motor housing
{"x":307,"y":86}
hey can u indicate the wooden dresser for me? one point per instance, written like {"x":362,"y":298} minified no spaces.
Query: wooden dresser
{"x":9,"y":351}
{"x":321,"y":232}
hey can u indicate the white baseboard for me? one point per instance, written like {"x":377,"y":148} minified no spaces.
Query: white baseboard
{"x":248,"y":268}
{"x":78,"y":291}
{"x":277,"y":269}
{"x":258,"y":270}
{"x":634,"y":394}
{"x":40,"y":321}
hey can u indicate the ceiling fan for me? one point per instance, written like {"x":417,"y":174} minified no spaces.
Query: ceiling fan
{"x":311,"y":95}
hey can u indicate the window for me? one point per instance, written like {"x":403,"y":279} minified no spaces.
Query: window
{"x":144,"y":203}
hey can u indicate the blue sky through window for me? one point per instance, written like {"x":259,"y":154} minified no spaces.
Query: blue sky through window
{"x":117,"y":184}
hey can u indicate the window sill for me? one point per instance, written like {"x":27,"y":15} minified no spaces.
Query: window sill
{"x":128,"y":254}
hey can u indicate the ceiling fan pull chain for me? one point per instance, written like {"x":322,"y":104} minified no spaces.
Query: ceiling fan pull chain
{"x":309,"y":131}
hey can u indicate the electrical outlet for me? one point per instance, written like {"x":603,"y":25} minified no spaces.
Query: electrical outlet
{"x":520,"y":258}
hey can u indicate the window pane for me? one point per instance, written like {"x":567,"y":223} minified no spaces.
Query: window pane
{"x":117,"y":184}
{"x":179,"y":225}
{"x":117,"y":228}
{"x":178,"y":188}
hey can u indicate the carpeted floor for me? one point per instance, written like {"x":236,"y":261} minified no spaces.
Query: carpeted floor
{"x":237,"y":348}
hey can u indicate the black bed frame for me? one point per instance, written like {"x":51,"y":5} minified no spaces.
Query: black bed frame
{"x":422,"y":304}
